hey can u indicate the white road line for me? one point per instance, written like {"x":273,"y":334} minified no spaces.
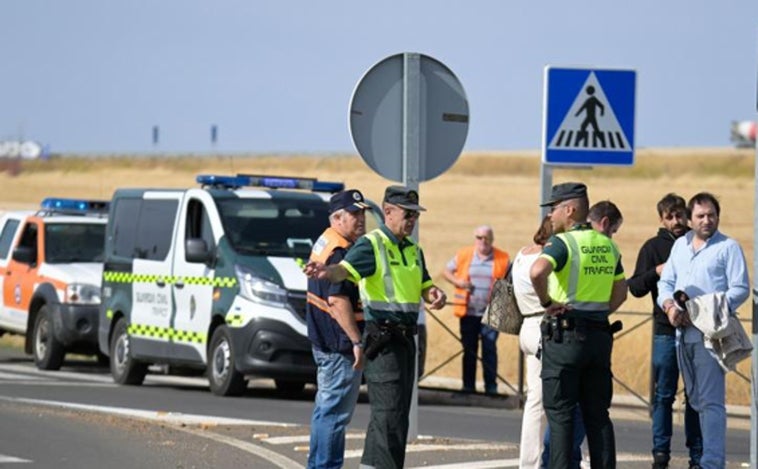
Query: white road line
{"x":288,"y":440}
{"x":475,"y":464}
{"x":415,"y":448}
{"x":270,"y":456}
{"x":4,"y":459}
{"x":176,"y":418}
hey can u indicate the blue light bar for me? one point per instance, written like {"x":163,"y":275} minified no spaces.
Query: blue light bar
{"x":74,"y":205}
{"x":270,"y":182}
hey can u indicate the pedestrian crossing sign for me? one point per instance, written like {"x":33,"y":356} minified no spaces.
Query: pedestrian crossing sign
{"x":589,"y":116}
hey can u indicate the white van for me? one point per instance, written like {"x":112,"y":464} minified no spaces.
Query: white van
{"x":211,"y":278}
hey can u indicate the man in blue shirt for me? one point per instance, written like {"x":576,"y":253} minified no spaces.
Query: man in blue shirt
{"x":703,"y":261}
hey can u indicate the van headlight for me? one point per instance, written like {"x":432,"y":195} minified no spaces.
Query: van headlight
{"x":260,"y":290}
{"x":82,"y":294}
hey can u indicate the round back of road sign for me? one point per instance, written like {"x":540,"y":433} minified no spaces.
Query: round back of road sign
{"x":400,"y":112}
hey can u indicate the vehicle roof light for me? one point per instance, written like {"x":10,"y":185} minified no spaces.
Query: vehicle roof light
{"x":74,"y":206}
{"x":270,"y":182}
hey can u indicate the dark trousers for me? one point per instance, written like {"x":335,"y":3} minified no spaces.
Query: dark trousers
{"x":472,"y":330}
{"x":389,"y":377}
{"x":578,"y":370}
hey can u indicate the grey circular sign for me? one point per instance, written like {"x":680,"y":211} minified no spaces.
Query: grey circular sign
{"x":409,"y":107}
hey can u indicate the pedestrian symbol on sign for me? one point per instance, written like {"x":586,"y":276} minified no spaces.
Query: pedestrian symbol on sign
{"x":595,"y":131}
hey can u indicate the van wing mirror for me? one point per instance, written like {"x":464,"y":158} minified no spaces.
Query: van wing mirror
{"x":25,"y":255}
{"x":196,"y":250}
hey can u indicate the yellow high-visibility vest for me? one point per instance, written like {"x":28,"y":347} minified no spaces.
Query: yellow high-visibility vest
{"x":586,"y":281}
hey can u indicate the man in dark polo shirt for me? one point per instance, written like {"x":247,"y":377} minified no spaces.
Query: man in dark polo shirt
{"x":393,"y":279}
{"x":335,"y":327}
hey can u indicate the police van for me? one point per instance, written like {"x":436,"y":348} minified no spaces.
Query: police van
{"x":211,"y":278}
{"x":52,"y":265}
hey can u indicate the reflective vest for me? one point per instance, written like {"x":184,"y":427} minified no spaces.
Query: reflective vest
{"x":395,"y":286}
{"x":586,"y":281}
{"x":325,"y":245}
{"x":463,"y":258}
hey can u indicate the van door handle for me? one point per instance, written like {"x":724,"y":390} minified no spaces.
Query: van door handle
{"x":161,"y":283}
{"x":179,"y":284}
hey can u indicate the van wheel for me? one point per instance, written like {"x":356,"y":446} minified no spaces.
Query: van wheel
{"x":48,"y":351}
{"x":124,"y":368}
{"x":223,"y":376}
{"x":289,"y":388}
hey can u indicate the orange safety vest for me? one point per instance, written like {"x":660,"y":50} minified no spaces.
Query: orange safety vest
{"x":322,"y":250}
{"x":463,"y":258}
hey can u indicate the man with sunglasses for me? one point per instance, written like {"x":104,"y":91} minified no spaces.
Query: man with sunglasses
{"x":672,"y":212}
{"x":473,"y":271}
{"x":586,"y":284}
{"x":392,"y":277}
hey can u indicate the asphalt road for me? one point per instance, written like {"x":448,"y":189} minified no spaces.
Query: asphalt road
{"x":77,"y":417}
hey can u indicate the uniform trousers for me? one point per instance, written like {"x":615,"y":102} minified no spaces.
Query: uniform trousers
{"x":390,"y":379}
{"x":578,"y":370}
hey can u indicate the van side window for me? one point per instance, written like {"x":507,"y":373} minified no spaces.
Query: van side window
{"x":124,"y":231}
{"x":6,"y":237}
{"x":156,"y":228}
{"x":199,"y":224}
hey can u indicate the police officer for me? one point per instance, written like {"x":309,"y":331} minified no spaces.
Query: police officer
{"x":335,"y":324}
{"x":393,"y":278}
{"x":587,"y":284}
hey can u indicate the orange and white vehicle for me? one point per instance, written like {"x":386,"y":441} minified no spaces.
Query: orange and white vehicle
{"x":52,"y":264}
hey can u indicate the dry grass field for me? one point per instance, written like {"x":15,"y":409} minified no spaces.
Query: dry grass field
{"x":500,"y":189}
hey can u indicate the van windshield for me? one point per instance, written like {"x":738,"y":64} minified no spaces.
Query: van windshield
{"x":74,"y":242}
{"x":284,"y":227}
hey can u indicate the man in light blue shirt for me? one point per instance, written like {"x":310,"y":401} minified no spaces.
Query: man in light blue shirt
{"x":703,"y":261}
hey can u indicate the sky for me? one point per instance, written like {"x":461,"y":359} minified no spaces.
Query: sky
{"x":95,"y":76}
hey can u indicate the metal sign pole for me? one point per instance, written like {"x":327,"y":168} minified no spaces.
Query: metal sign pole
{"x":411,"y":160}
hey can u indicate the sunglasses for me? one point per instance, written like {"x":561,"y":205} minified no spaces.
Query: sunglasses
{"x":410,"y":214}
{"x":482,"y":238}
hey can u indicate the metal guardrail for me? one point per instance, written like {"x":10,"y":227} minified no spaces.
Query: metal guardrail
{"x":518,"y":389}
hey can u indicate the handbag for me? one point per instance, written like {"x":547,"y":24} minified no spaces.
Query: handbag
{"x":502,"y":313}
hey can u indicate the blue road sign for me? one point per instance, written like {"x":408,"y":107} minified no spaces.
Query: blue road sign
{"x":589,"y":117}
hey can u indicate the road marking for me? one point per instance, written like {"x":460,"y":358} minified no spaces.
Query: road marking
{"x":176,"y":418}
{"x":266,"y":454}
{"x":418,"y":448}
{"x":288,"y":440}
{"x":10,"y":459}
{"x":622,"y":457}
{"x":179,"y":420}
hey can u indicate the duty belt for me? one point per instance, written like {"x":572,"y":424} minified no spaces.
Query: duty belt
{"x":408,"y":330}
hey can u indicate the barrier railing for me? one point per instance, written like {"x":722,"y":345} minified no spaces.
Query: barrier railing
{"x":518,"y":388}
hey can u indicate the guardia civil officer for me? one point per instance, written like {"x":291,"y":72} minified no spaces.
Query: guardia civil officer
{"x":587,"y":284}
{"x":392,"y":278}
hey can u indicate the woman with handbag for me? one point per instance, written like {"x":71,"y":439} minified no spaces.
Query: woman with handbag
{"x":533,"y":422}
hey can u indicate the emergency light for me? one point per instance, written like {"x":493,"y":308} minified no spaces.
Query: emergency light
{"x":57,"y":204}
{"x":270,"y":182}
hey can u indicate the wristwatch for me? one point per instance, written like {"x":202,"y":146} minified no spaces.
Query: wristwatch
{"x":358,"y":344}
{"x":547,"y":303}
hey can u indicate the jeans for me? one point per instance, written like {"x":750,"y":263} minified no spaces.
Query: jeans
{"x":579,"y":434}
{"x":471,"y":330}
{"x":338,"y":387}
{"x":705,"y":384}
{"x":666,"y":376}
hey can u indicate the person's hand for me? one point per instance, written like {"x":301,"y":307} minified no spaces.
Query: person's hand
{"x":314,"y":269}
{"x":556,"y":308}
{"x":676,"y":316}
{"x":659,"y":269}
{"x":436,"y":298}
{"x":358,"y":356}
